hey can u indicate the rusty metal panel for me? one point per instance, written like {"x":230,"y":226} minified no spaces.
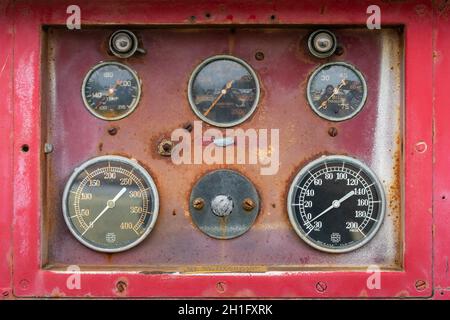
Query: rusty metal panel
{"x":45,"y":110}
{"x":374,"y":136}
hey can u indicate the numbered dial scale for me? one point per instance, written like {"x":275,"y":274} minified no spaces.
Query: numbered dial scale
{"x":111,"y":91}
{"x":110,"y":203}
{"x":337,"y":91}
{"x":223,"y":91}
{"x":336,"y":204}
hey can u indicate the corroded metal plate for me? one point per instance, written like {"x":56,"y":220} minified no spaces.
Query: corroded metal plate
{"x":224,"y":204}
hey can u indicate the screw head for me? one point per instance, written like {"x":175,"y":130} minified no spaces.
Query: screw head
{"x":420,"y":285}
{"x":220,"y":286}
{"x":121,"y":286}
{"x":421,"y":147}
{"x":259,"y":56}
{"x":332,"y":132}
{"x":321,"y":286}
{"x":112,"y":131}
{"x":165,"y":147}
{"x":248,"y":204}
{"x":198,"y":203}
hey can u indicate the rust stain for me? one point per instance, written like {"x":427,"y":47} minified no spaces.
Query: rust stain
{"x":56,"y":293}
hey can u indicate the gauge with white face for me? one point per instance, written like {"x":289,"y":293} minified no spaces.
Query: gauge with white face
{"x":336,"y":204}
{"x":110,"y":203}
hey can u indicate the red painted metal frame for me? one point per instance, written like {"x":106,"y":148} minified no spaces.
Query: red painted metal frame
{"x":6,"y":140}
{"x":441,"y":170}
{"x":29,"y":279}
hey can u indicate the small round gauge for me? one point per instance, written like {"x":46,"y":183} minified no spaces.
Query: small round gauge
{"x":336,"y":204}
{"x":111,"y":91}
{"x":110,"y":203}
{"x":223,"y":91}
{"x":337,"y":91}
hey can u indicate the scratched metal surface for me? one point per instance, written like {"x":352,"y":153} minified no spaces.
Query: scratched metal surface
{"x":374,"y":136}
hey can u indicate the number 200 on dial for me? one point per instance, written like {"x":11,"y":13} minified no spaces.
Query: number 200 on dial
{"x":110,"y":203}
{"x":336,"y":204}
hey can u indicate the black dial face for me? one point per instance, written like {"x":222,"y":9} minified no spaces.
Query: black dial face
{"x":223,"y":91}
{"x":336,"y":204}
{"x":111,"y":91}
{"x":337,"y":91}
{"x":110,"y":203}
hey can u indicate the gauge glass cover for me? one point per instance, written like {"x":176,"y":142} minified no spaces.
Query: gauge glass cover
{"x":111,"y":91}
{"x":223,"y":91}
{"x":336,"y":204}
{"x":110,"y":203}
{"x":337,"y":91}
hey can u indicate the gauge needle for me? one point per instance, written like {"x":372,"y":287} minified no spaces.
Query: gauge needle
{"x":109,"y":205}
{"x":335,"y":91}
{"x":335,"y":204}
{"x":113,"y":89}
{"x":222,"y":93}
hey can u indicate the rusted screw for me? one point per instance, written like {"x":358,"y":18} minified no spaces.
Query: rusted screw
{"x":321,"y":286}
{"x":121,"y":286}
{"x":188,"y":127}
{"x":198,"y":203}
{"x":112,"y":131}
{"x":259,"y":56}
{"x":420,"y":285}
{"x":339,"y":51}
{"x":165,"y":147}
{"x":220,"y":286}
{"x":332,"y":132}
{"x":248,"y":204}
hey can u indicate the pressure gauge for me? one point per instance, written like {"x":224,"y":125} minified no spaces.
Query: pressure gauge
{"x":337,"y":91}
{"x":336,"y":204}
{"x":223,"y":91}
{"x":110,"y":203}
{"x":111,"y":91}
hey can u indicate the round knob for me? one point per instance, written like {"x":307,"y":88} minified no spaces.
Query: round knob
{"x":222,"y":205}
{"x":322,"y":43}
{"x":123,"y":43}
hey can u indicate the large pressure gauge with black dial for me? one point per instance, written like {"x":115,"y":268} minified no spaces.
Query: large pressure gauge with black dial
{"x":110,"y":203}
{"x":336,"y":204}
